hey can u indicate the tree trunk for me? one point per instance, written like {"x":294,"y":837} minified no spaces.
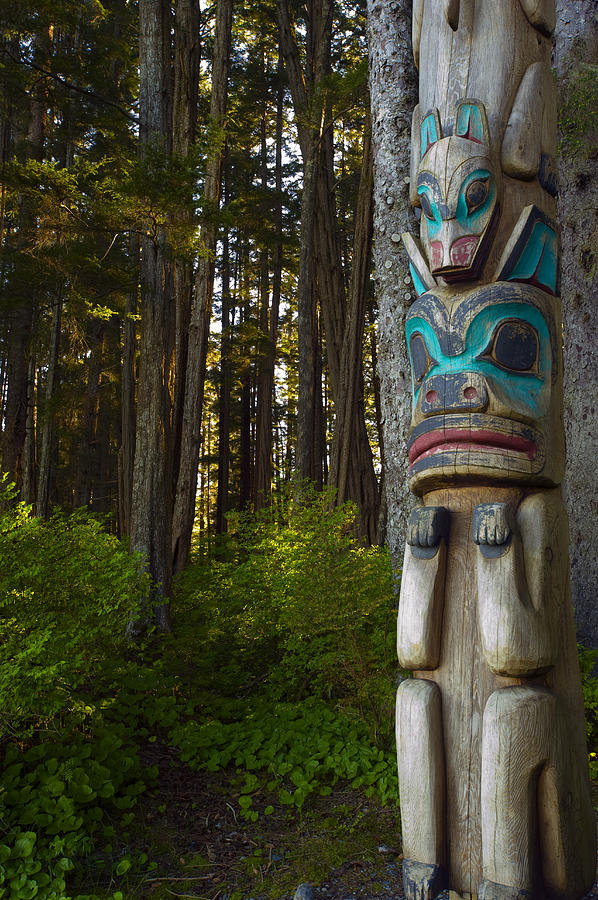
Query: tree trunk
{"x":262,"y":485}
{"x":29,"y":455}
{"x":348,"y":442}
{"x":186,"y":82}
{"x":47,"y":436}
{"x":152,"y":472}
{"x":393,"y":93}
{"x":20,"y":318}
{"x":576,"y":49}
{"x":224,"y":394}
{"x":126,"y":454}
{"x":184,"y":505}
{"x":87,"y":467}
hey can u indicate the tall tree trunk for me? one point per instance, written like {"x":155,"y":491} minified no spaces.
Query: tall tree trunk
{"x":308,"y":115}
{"x":48,"y":426}
{"x":29,"y":480}
{"x":186,"y":83}
{"x":393,"y":93}
{"x":224,"y":390}
{"x":320,"y":239}
{"x":263,"y":441}
{"x":347,"y":443}
{"x":87,"y":467}
{"x":152,"y":472}
{"x":575,"y":53}
{"x":126,"y":453}
{"x":21,"y":316}
{"x":184,"y":505}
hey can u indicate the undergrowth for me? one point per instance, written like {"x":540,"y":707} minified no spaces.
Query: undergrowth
{"x":280,"y":671}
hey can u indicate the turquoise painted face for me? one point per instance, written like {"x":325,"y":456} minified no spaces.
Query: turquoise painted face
{"x":483,"y":365}
{"x":458,"y":190}
{"x":507,"y":343}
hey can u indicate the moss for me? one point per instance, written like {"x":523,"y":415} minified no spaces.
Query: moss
{"x":579,"y":104}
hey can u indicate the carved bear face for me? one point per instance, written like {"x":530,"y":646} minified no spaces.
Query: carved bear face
{"x":458,"y":189}
{"x":484,"y":366}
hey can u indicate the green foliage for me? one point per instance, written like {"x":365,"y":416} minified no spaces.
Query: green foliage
{"x":307,"y":611}
{"x":58,"y":801}
{"x":577,"y":120}
{"x":297,"y":748}
{"x":66,"y":587}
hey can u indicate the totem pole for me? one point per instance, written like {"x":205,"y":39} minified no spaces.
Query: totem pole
{"x":490,"y":730}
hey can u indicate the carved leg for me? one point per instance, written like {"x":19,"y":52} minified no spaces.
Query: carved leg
{"x":422,"y":588}
{"x":516,"y":628}
{"x":420,"y":754}
{"x":533,"y":798}
{"x":517,"y":736}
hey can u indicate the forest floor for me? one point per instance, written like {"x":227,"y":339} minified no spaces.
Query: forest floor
{"x":343,"y":847}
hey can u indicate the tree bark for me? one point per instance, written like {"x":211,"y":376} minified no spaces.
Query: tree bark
{"x":262,"y":485}
{"x":393,"y":93}
{"x":126,"y":454}
{"x":224,"y":389}
{"x":21,"y":316}
{"x":184,"y":505}
{"x":576,"y":47}
{"x":348,"y":443}
{"x":87,"y":468}
{"x":47,"y":436}
{"x":152,"y":472}
{"x":186,"y":84}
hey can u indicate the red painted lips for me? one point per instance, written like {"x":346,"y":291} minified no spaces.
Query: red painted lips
{"x":467,"y":439}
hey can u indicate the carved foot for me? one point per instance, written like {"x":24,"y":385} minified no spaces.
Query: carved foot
{"x":422,"y":881}
{"x":427,"y":526}
{"x":492,"y":527}
{"x":489,"y":890}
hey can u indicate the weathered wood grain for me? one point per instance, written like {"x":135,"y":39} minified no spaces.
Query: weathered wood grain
{"x":495,"y":710}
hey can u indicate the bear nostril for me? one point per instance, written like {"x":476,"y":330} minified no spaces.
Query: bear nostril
{"x":470,"y":392}
{"x":431,"y":396}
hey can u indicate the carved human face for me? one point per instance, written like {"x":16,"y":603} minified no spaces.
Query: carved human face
{"x":458,"y":190}
{"x":484,"y":367}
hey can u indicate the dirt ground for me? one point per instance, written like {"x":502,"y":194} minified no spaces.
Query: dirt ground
{"x":343,"y":847}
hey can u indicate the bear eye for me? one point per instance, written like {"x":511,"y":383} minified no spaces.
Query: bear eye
{"x":421,"y":361}
{"x":476,"y":194}
{"x":426,"y":206}
{"x":515,"y":346}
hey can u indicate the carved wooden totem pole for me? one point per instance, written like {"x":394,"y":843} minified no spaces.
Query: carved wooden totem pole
{"x":490,"y":732}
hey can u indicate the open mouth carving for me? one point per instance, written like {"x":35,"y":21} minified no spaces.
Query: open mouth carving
{"x":440,"y":440}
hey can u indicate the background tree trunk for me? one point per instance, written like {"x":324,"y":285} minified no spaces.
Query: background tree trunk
{"x":47,"y":442}
{"x":199,"y":329}
{"x":393,"y":90}
{"x":152,"y":473}
{"x":575,"y":52}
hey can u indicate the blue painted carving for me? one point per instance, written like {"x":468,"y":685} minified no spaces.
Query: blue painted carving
{"x":483,"y":347}
{"x":534,"y":258}
{"x":429,"y":132}
{"x":471,"y":122}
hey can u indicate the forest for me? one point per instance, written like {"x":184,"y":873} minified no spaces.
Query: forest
{"x":201,"y":489}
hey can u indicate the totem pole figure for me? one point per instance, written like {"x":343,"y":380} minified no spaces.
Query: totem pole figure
{"x":492,"y":759}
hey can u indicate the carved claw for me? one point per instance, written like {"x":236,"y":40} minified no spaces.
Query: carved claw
{"x":492,"y":524}
{"x":489,"y":890}
{"x":427,"y":526}
{"x":422,"y":881}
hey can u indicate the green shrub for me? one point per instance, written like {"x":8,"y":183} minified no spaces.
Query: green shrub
{"x":66,"y":587}
{"x":300,"y":609}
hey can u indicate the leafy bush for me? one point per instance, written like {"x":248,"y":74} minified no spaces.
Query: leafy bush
{"x":300,"y":608}
{"x":66,"y":587}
